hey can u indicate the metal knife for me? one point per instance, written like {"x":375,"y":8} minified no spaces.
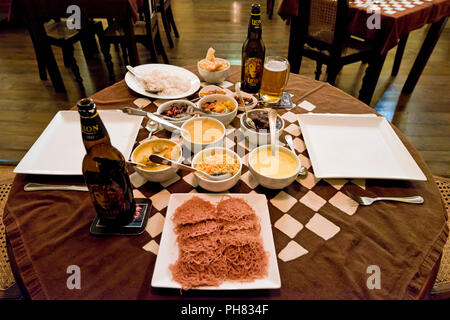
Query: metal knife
{"x":53,"y":187}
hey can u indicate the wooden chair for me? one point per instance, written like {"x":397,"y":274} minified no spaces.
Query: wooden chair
{"x":165,"y":9}
{"x":8,"y":287}
{"x":319,"y":32}
{"x":146,"y":32}
{"x":59,"y":35}
{"x":441,"y":288}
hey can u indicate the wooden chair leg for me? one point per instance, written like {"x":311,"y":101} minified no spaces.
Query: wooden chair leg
{"x":66,"y":52}
{"x":332,"y":72}
{"x":371,"y":78}
{"x":270,"y":5}
{"x":42,"y":70}
{"x":160,"y":48}
{"x":166,"y":27}
{"x":108,"y":60}
{"x":53,"y":71}
{"x":152,"y":47}
{"x":89,"y":44}
{"x":123,"y":46}
{"x":318,"y":70}
{"x":73,"y":64}
{"x":399,"y":54}
{"x":172,"y":21}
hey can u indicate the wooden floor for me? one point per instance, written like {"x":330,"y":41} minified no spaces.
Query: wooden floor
{"x":27,"y":104}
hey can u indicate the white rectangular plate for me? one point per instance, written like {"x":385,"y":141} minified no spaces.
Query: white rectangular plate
{"x":168,"y":250}
{"x":60,"y":151}
{"x":356,"y":147}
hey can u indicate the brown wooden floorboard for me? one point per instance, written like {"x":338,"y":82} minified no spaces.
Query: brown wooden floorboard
{"x":27,"y":104}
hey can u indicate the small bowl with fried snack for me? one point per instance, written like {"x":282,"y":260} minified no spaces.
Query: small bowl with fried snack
{"x":213,"y":70}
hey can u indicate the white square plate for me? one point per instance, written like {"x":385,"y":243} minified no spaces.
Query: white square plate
{"x":353,"y":146}
{"x":59,"y":150}
{"x":168,"y":250}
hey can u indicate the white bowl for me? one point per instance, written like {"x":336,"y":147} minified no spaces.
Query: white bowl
{"x":156,"y":175}
{"x":259,"y":137}
{"x":214,"y":76}
{"x":248,"y":95}
{"x":225,"y":118}
{"x":271,"y":182}
{"x":222,"y":185}
{"x":212,"y":87}
{"x":197,"y":147}
{"x":167,"y":105}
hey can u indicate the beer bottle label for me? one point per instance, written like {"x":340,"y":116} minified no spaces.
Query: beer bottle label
{"x":110,"y":190}
{"x":90,"y":128}
{"x":256,"y":20}
{"x":253,"y":71}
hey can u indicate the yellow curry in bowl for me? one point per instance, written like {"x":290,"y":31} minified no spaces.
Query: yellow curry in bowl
{"x":203,"y":130}
{"x":162,"y":147}
{"x":282,"y":165}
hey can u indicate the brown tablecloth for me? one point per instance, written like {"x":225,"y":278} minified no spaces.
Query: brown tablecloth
{"x":393,"y":25}
{"x":49,"y":231}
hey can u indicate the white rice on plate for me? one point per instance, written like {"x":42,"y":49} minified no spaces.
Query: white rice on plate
{"x":171,"y":84}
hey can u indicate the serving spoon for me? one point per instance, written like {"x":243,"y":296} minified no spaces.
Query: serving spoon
{"x":161,"y":160}
{"x":151,"y":116}
{"x":154,"y":90}
{"x":303,"y":171}
{"x":248,"y":120}
{"x":272,"y":127}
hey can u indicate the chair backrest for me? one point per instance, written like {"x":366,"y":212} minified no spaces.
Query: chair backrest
{"x":151,"y":21}
{"x":324,"y":23}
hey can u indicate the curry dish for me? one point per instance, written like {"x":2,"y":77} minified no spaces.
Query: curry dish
{"x":164,"y":148}
{"x":203,"y":131}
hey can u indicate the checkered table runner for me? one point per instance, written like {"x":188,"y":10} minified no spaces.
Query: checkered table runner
{"x":303,"y":215}
{"x":390,"y":7}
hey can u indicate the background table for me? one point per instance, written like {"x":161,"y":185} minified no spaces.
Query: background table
{"x":48,"y":231}
{"x":37,"y":11}
{"x":397,"y":21}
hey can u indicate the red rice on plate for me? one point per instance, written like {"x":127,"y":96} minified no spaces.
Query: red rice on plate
{"x":218,"y":243}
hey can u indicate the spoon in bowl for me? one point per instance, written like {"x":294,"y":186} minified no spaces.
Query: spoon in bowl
{"x":151,"y":127}
{"x":154,"y":90}
{"x":248,"y":120}
{"x":161,"y":160}
{"x":303,"y":171}
{"x":272,"y":127}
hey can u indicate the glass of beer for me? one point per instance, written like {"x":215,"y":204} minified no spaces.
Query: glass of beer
{"x":274,"y":79}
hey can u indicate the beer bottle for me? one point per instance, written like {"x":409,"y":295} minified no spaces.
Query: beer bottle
{"x":253,"y":52}
{"x":104,"y":170}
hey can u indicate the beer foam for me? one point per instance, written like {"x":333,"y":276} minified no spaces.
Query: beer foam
{"x":275,"y":66}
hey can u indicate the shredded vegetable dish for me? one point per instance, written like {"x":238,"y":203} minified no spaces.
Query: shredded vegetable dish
{"x":218,"y":163}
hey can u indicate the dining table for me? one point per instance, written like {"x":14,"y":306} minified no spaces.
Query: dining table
{"x":38,"y":11}
{"x":48,"y":231}
{"x":397,"y":19}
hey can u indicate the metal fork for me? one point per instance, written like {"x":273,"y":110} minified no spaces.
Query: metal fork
{"x":367,"y":201}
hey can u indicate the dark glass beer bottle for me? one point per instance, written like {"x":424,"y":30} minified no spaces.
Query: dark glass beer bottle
{"x":104,"y":170}
{"x":253,"y":52}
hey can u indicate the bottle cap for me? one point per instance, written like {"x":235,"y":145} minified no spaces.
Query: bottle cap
{"x":256,"y":8}
{"x":85,"y":104}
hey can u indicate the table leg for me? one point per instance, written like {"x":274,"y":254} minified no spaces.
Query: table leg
{"x":131,"y":42}
{"x":424,"y":54}
{"x":399,"y":54}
